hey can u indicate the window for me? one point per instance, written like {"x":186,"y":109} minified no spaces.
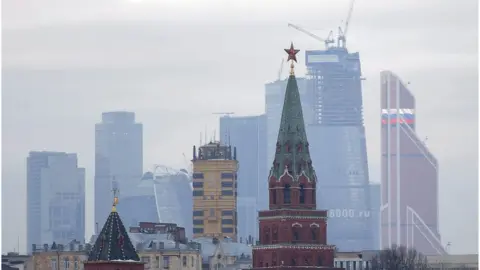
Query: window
{"x":75,"y":264}
{"x":227,"y":230}
{"x":198,"y":193}
{"x":227,"y":175}
{"x":314,"y":235}
{"x":295,"y":234}
{"x":212,"y":212}
{"x":227,"y":193}
{"x":157,"y":261}
{"x":302,"y":194}
{"x":193,"y":261}
{"x":227,"y":184}
{"x":53,"y":263}
{"x":293,"y":263}
{"x":227,"y":221}
{"x":198,"y":213}
{"x":197,"y":230}
{"x":274,"y":196}
{"x":286,"y":194}
{"x":227,"y":213}
{"x":198,"y":222}
{"x":197,"y":184}
{"x":66,"y":264}
{"x":184,"y":261}
{"x":166,"y":262}
{"x":197,"y":175}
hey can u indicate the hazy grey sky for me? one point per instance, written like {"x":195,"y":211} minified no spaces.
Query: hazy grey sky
{"x":176,"y":62}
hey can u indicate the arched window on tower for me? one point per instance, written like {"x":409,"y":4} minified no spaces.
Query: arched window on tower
{"x":314,"y":195}
{"x":286,"y":194}
{"x":273,"y":194}
{"x":274,"y":234}
{"x":302,"y":194}
{"x":314,"y":234}
{"x":296,"y":235}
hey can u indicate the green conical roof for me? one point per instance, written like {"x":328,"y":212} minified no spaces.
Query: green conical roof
{"x":292,"y":148}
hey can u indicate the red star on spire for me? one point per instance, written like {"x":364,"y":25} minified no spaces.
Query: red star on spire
{"x":292,"y":53}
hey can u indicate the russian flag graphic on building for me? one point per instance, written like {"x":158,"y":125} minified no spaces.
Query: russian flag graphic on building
{"x":404,"y":116}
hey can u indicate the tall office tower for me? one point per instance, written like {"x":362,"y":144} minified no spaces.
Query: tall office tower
{"x":292,"y":232}
{"x":338,"y":146}
{"x":248,"y":133}
{"x":118,"y":158}
{"x":375,"y":201}
{"x":215,"y":191}
{"x":409,"y":211}
{"x":55,"y":198}
{"x":274,"y":95}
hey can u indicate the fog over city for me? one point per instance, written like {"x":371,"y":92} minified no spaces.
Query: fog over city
{"x":174,"y":63}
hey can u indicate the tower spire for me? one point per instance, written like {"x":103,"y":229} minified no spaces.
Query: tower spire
{"x":115,"y":199}
{"x":292,"y":55}
{"x":292,"y":151}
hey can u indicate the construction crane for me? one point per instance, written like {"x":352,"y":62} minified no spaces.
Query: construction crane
{"x":224,"y":113}
{"x":327,"y":41}
{"x":280,"y":70}
{"x":342,"y":34}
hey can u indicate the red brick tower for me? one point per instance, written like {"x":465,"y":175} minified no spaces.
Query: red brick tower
{"x":293,"y":234}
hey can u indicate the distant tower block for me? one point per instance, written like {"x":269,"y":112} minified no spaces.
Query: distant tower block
{"x":215,"y":191}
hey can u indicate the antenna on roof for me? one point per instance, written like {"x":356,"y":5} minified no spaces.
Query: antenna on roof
{"x":206,"y":140}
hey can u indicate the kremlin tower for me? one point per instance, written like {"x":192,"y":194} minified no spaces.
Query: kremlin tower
{"x":293,"y":234}
{"x":113,"y":249}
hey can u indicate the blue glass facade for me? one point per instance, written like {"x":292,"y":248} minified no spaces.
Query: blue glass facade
{"x":248,"y":134}
{"x":338,"y":147}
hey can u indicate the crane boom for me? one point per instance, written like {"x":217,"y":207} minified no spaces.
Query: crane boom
{"x":306,"y":32}
{"x":349,"y":16}
{"x":342,"y":35}
{"x":327,"y":41}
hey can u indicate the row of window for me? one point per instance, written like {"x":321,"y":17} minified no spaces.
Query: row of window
{"x":287,"y":194}
{"x":66,"y":264}
{"x":223,"y":175}
{"x":225,"y":184}
{"x":224,"y":230}
{"x":200,"y":193}
{"x":200,"y":213}
{"x":166,"y":261}
{"x":200,"y":222}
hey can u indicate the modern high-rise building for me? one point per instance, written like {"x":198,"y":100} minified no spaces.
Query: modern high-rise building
{"x":248,"y":134}
{"x":215,"y":191}
{"x":338,"y":146}
{"x":375,"y":201}
{"x":55,"y":198}
{"x":409,"y":211}
{"x":118,"y":158}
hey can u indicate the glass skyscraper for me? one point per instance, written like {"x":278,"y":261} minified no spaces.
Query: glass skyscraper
{"x":118,"y":159}
{"x":248,"y":135}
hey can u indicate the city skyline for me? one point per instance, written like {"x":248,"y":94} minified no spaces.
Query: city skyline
{"x":452,"y":92}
